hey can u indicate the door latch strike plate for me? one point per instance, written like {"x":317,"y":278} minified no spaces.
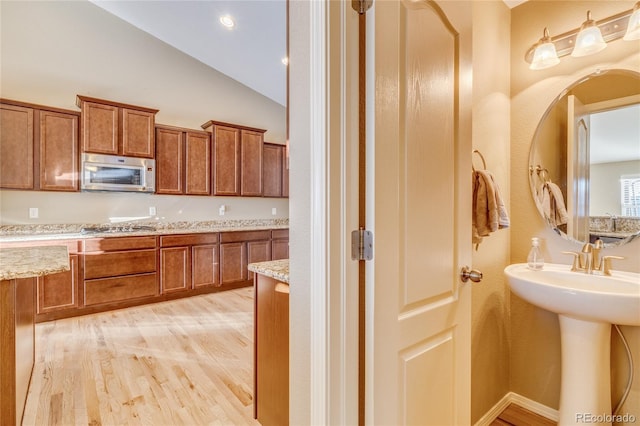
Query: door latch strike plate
{"x":361,"y":245}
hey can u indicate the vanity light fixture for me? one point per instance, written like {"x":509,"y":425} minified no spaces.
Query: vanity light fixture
{"x":590,"y":38}
{"x":227,"y":21}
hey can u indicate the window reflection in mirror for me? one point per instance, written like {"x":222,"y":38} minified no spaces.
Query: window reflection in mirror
{"x":587,"y":146}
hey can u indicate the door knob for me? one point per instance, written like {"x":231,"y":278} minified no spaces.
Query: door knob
{"x":467,"y":274}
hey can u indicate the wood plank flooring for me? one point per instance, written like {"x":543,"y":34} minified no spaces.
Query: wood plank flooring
{"x":183,"y":362}
{"x":514,"y":415}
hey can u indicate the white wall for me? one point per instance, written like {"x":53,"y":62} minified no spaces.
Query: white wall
{"x":53,"y":50}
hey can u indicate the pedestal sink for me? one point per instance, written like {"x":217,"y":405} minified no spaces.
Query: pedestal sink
{"x":587,"y":305}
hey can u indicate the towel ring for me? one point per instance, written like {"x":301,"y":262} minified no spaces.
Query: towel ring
{"x":484,"y":163}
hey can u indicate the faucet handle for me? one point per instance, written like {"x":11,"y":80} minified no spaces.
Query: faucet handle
{"x":606,"y":262}
{"x":577,"y":260}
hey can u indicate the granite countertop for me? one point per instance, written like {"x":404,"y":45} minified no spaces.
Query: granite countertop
{"x":278,"y":269}
{"x":32,"y":261}
{"x":20,"y":233}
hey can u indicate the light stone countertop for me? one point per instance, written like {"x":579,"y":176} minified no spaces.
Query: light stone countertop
{"x":30,"y":262}
{"x":26,"y":233}
{"x":278,"y":269}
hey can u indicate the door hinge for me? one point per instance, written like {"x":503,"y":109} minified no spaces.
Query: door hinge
{"x":361,"y":244}
{"x":361,"y":6}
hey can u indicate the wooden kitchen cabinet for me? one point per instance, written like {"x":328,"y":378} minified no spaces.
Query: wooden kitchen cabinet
{"x":251,"y":163}
{"x":237,"y":159}
{"x":119,"y":269}
{"x":279,"y":244}
{"x":272,"y":171}
{"x":183,"y":161}
{"x":114,"y":128}
{"x":38,"y":147}
{"x":237,"y":250}
{"x":188,"y":262}
{"x":57,"y":295}
{"x":17,"y":351}
{"x":271,"y":352}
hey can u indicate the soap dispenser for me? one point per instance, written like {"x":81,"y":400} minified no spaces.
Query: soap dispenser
{"x":535,"y":259}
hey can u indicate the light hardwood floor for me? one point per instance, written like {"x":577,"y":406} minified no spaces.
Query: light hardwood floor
{"x":184,"y":362}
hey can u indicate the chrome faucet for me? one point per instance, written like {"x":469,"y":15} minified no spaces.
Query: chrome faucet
{"x":589,"y":259}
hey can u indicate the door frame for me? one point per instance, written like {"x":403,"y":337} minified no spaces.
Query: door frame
{"x":323,"y":131}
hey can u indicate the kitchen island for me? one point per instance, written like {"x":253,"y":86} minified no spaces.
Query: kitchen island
{"x":19,"y":269}
{"x":271,"y":342}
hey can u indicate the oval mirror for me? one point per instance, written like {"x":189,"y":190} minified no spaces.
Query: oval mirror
{"x":584,"y":163}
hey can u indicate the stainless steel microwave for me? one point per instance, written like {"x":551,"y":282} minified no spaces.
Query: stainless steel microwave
{"x":115,"y":173}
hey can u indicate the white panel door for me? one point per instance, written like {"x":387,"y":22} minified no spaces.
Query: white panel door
{"x":419,"y":208}
{"x":578,"y":124}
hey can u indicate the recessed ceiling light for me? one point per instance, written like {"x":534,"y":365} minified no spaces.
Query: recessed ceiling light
{"x":227,"y":21}
{"x":285,"y":60}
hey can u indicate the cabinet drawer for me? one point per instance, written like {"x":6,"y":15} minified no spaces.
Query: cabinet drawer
{"x":73,"y":246}
{"x":232,"y":237}
{"x":115,"y":243}
{"x":117,"y":289}
{"x":279,"y":233}
{"x":101,"y":265}
{"x":187,"y":240}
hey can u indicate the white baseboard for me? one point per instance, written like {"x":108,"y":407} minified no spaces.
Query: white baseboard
{"x":527,"y":403}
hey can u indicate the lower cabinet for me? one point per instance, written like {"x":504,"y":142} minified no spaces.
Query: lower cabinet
{"x":119,"y":269}
{"x":271,"y":352}
{"x":59,"y":292}
{"x":237,"y":250}
{"x":279,"y":244}
{"x":17,"y":351}
{"x":188,"y":262}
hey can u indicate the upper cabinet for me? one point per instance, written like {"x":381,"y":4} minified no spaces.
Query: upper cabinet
{"x":38,"y":147}
{"x":118,"y":129}
{"x":275,"y":174}
{"x":183,"y":161}
{"x":237,"y":159}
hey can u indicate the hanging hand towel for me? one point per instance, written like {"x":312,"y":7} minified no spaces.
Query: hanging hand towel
{"x":489,"y":211}
{"x":553,"y":204}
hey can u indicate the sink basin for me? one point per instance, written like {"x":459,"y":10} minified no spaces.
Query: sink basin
{"x":611,"y":299}
{"x":586,"y":305}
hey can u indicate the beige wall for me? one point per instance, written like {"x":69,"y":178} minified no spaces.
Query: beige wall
{"x":52,"y":51}
{"x":604,"y":193}
{"x":490,"y":298}
{"x":535,"y":345}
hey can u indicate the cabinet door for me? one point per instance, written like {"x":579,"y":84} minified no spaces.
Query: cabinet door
{"x":99,"y":128}
{"x":205,"y":266}
{"x":279,"y":249}
{"x":226,"y":160}
{"x":175,"y":271}
{"x":233,"y":263}
{"x":251,"y":164}
{"x":258,"y":251}
{"x":169,"y":149}
{"x":197,"y":164}
{"x":58,"y":151}
{"x":138,"y":139}
{"x":59,"y":291}
{"x":272,"y":170}
{"x":16,"y":147}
